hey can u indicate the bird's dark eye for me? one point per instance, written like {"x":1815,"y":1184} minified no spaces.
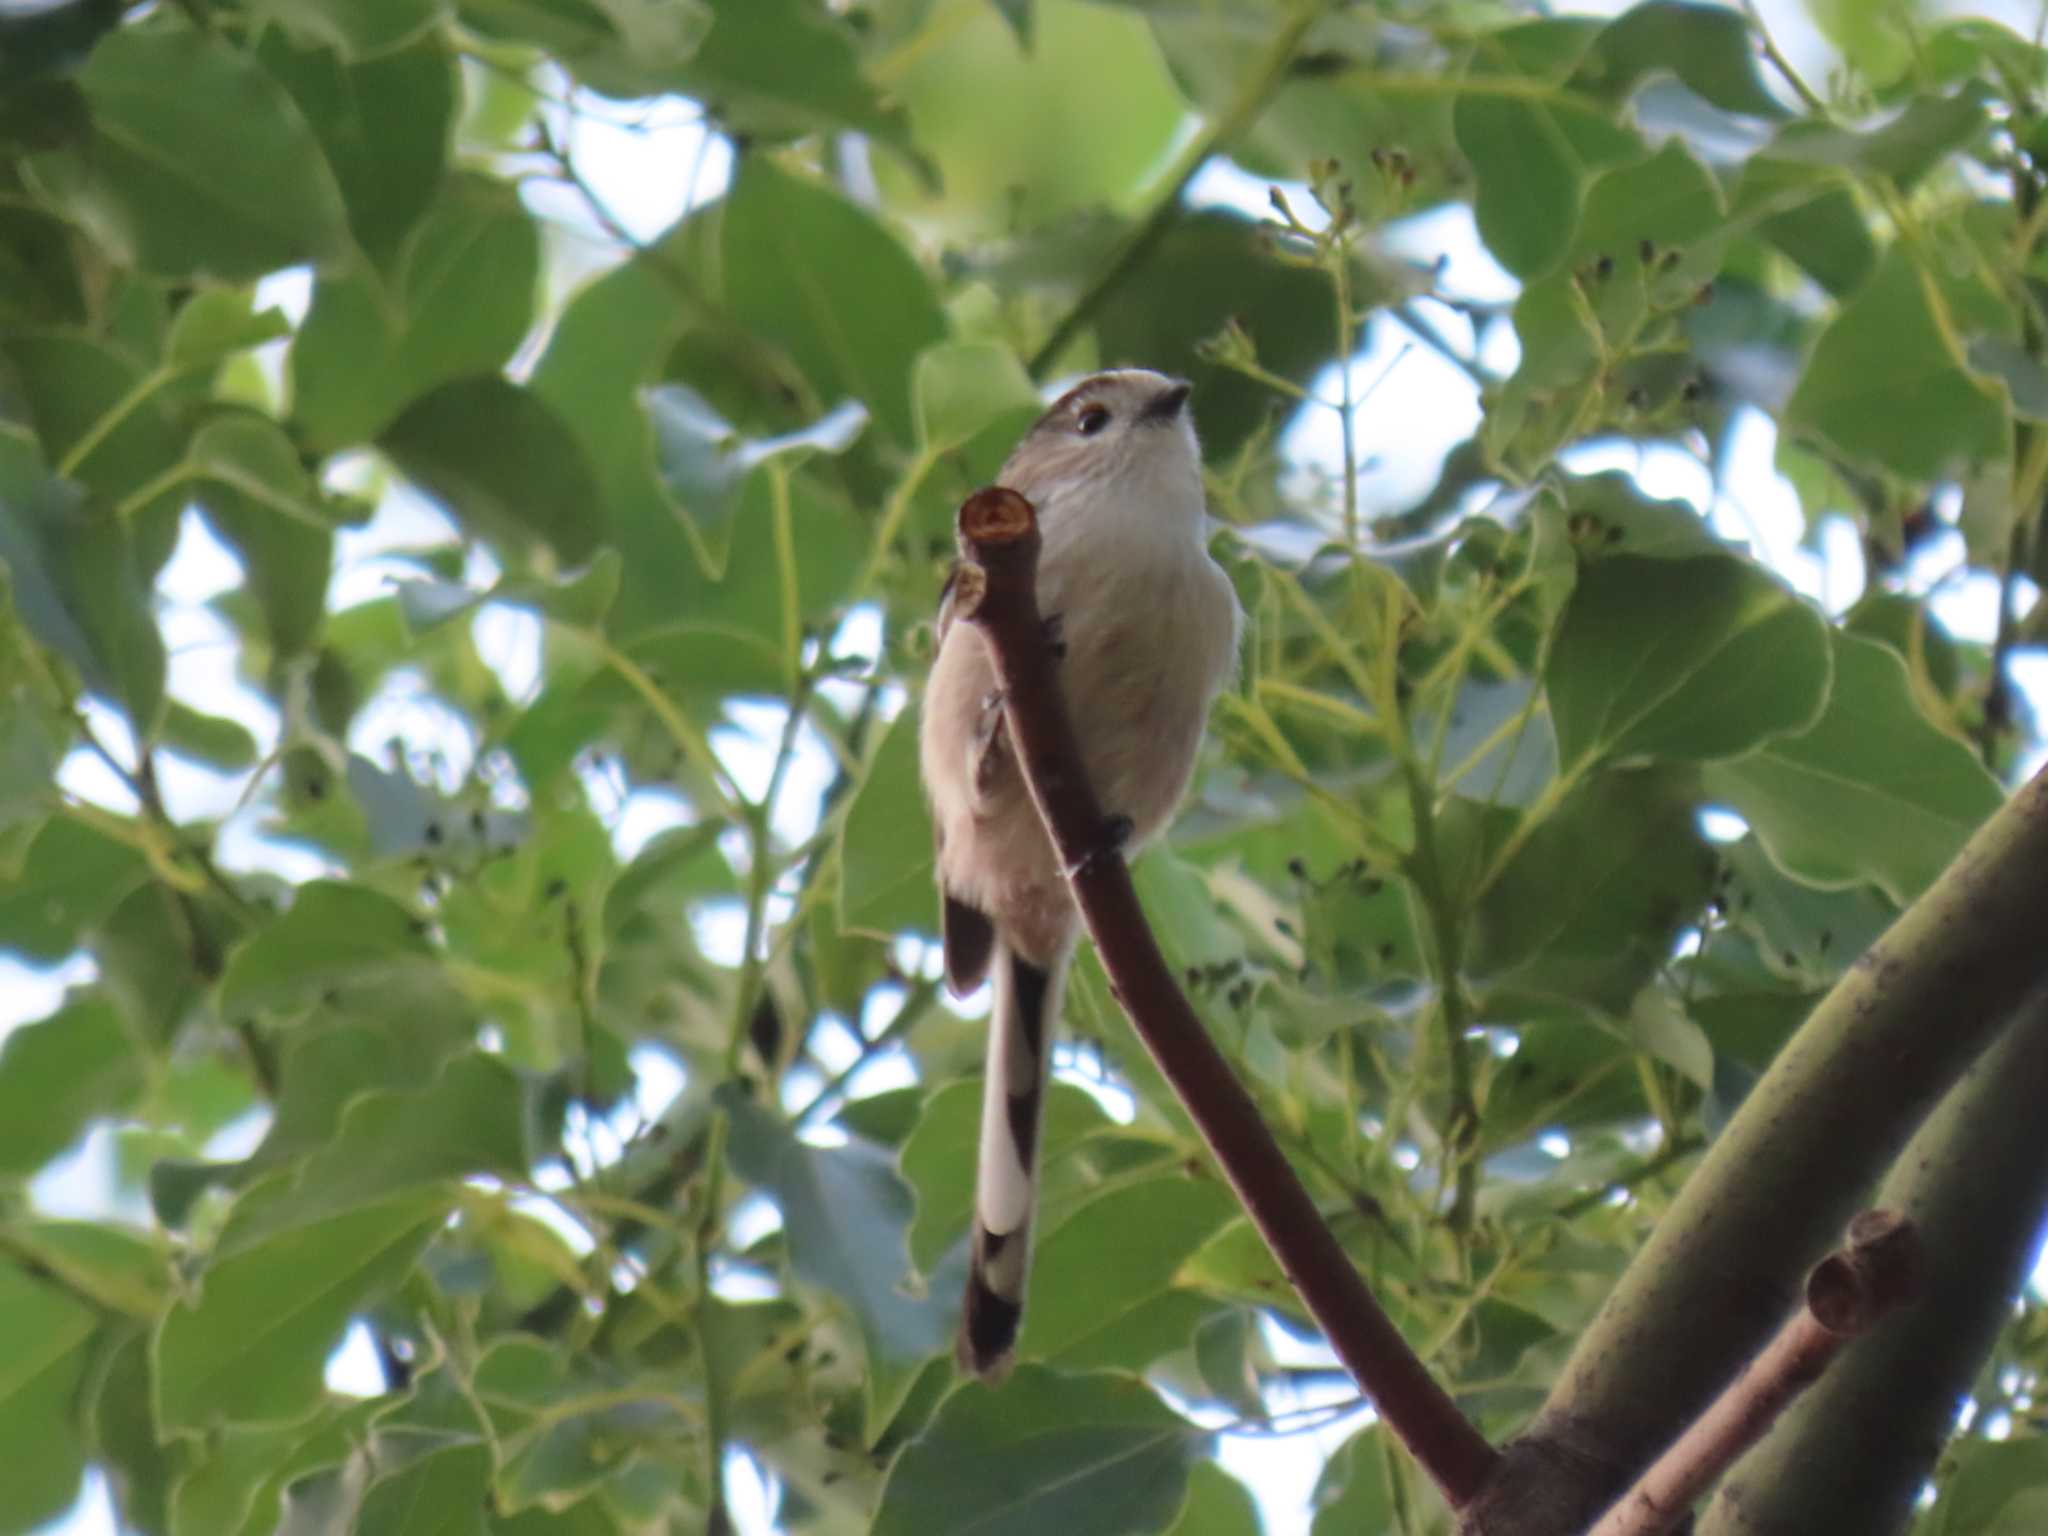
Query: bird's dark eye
{"x":1093,"y":420}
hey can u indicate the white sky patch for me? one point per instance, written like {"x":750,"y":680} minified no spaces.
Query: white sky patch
{"x":1411,"y":405}
{"x":508,"y":641}
{"x":720,"y":929}
{"x":658,"y":1079}
{"x":1447,"y":239}
{"x":364,"y":564}
{"x":240,"y":1137}
{"x":353,"y":1369}
{"x":31,"y":992}
{"x":643,"y":816}
{"x":752,"y":1493}
{"x":84,"y":1183}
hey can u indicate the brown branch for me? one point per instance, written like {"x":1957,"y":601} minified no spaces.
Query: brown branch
{"x":1846,"y":1294}
{"x":995,"y":590}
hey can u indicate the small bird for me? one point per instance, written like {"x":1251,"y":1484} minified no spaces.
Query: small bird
{"x":1148,"y":628}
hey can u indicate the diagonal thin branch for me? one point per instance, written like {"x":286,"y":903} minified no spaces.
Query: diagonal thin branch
{"x":1847,"y":1293}
{"x":995,"y":590}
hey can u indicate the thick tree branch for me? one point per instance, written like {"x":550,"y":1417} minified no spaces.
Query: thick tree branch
{"x":1831,"y":1114}
{"x":1846,"y":1294}
{"x":1856,"y":1451}
{"x":995,"y":589}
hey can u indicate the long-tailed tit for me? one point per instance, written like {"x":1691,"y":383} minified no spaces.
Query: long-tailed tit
{"x":1149,"y":625}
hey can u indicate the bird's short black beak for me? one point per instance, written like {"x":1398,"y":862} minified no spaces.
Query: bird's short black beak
{"x":1165,"y":406}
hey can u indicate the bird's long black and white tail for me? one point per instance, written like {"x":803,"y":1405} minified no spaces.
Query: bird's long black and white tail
{"x":1027,"y":1005}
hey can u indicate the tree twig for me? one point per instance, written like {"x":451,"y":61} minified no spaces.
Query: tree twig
{"x":995,"y":590}
{"x":1848,"y":1292}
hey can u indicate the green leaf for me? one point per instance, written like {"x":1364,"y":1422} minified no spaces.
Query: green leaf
{"x":44,"y":1351}
{"x":1110,"y":1257}
{"x":354,"y":29}
{"x":816,"y":274}
{"x":1084,"y":119}
{"x":1661,"y":1027}
{"x":68,"y":878}
{"x":1802,"y":934}
{"x":239,"y":1485}
{"x":624,"y":48}
{"x":1889,"y":382}
{"x":1534,"y":152}
{"x":459,"y":302}
{"x":846,"y":1214}
{"x":1810,"y":214}
{"x":248,"y":1347}
{"x":93,"y":412}
{"x":1873,"y":792}
{"x":197,"y":163}
{"x":216,"y":323}
{"x":1688,"y":660}
{"x":39,"y":282}
{"x":503,"y":463}
{"x":77,"y":584}
{"x":1352,"y":1492}
{"x":961,"y":386}
{"x":2026,"y":381}
{"x":260,"y":500}
{"x":1608,"y":514}
{"x":1590,"y":904}
{"x":444,"y":1492}
{"x":325,"y":1072}
{"x":29,"y":753}
{"x":613,"y":339}
{"x":123,"y":1429}
{"x":158,"y":952}
{"x":1906,"y":148}
{"x":1355,"y":86}
{"x":1094,"y":1455}
{"x":115,"y":1267}
{"x":885,"y":868}
{"x":472,"y":1119}
{"x":564,"y":1424}
{"x":1706,"y":46}
{"x":1218,"y":1505}
{"x":58,"y":1075}
{"x":1994,"y":1488}
{"x":779,"y":69}
{"x":336,"y":935}
{"x":383,"y":124}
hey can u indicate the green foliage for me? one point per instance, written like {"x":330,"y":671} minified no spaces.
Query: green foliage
{"x":381,"y":968}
